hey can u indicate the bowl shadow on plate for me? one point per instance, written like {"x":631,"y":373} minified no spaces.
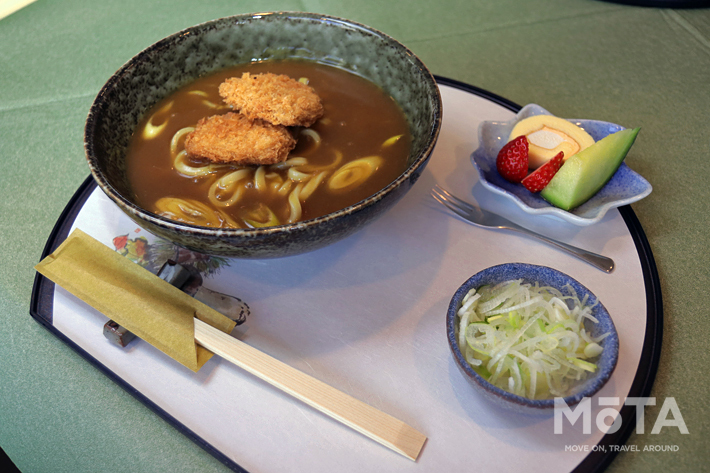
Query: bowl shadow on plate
{"x":498,"y":400}
{"x":388,"y":232}
{"x":499,"y":421}
{"x":445,"y":384}
{"x":392,"y":243}
{"x":548,"y":225}
{"x":464,"y":182}
{"x":593,"y":238}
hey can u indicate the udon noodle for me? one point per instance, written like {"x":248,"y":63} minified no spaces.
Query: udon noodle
{"x":346,"y":156}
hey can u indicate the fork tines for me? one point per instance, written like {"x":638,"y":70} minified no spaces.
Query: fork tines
{"x":451,"y":202}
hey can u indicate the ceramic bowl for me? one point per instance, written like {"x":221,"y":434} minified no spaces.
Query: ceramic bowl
{"x":545,"y":276}
{"x":625,"y":186}
{"x":181,"y":58}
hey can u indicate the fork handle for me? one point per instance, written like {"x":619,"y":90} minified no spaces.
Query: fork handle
{"x":596,"y":260}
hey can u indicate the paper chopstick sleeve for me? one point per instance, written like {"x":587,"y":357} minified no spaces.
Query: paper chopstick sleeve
{"x":132,"y":296}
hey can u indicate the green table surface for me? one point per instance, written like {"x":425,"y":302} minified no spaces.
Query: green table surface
{"x":630,"y":65}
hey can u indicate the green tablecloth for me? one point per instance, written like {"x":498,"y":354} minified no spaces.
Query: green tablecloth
{"x":634,"y":66}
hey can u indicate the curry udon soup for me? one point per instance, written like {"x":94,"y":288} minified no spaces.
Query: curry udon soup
{"x":359,"y":145}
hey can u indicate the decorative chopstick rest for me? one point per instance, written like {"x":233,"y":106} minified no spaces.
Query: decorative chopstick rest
{"x":189,"y":281}
{"x":118,"y":335}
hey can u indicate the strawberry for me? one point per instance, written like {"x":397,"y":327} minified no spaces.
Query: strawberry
{"x":538,"y":179}
{"x":512,"y":160}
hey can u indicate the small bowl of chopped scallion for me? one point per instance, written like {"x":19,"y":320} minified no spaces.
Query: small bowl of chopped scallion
{"x":529,"y":334}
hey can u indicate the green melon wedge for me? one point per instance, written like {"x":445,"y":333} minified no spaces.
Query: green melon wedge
{"x":586,"y":172}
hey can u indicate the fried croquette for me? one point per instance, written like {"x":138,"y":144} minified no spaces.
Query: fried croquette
{"x":234,"y":138}
{"x":278,"y":99}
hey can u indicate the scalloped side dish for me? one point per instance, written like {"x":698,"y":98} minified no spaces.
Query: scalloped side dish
{"x":568,"y":166}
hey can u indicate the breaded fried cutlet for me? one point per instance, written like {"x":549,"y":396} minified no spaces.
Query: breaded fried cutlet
{"x":234,"y":138}
{"x":278,"y":99}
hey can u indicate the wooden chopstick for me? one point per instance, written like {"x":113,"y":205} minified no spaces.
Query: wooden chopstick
{"x":357,"y":415}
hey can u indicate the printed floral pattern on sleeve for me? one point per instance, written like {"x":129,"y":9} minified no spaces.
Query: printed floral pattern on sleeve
{"x":153,"y":255}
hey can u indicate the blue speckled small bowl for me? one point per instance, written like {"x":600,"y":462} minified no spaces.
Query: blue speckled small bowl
{"x":625,"y":186}
{"x":545,"y":276}
{"x":181,"y":58}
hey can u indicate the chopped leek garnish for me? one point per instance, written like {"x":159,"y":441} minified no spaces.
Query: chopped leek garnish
{"x":262,"y":216}
{"x":527,"y":339}
{"x":391,"y":140}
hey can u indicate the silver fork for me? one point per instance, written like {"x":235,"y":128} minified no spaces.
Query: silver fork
{"x":484,"y":218}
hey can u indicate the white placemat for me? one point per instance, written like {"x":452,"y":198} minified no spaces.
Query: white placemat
{"x":367,"y":315}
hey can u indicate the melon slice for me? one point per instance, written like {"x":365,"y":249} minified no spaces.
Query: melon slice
{"x":585,"y":173}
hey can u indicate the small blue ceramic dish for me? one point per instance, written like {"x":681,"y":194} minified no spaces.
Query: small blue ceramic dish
{"x":545,"y":276}
{"x":625,"y":187}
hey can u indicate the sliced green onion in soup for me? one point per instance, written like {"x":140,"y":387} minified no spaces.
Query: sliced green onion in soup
{"x":392,"y":140}
{"x":261,"y":216}
{"x":151,"y":129}
{"x":354,"y":173}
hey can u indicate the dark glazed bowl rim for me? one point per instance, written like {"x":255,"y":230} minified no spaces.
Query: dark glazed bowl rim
{"x":248,"y":233}
{"x":591,"y":385}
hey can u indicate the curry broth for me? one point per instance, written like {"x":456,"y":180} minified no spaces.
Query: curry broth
{"x":358,"y":118}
